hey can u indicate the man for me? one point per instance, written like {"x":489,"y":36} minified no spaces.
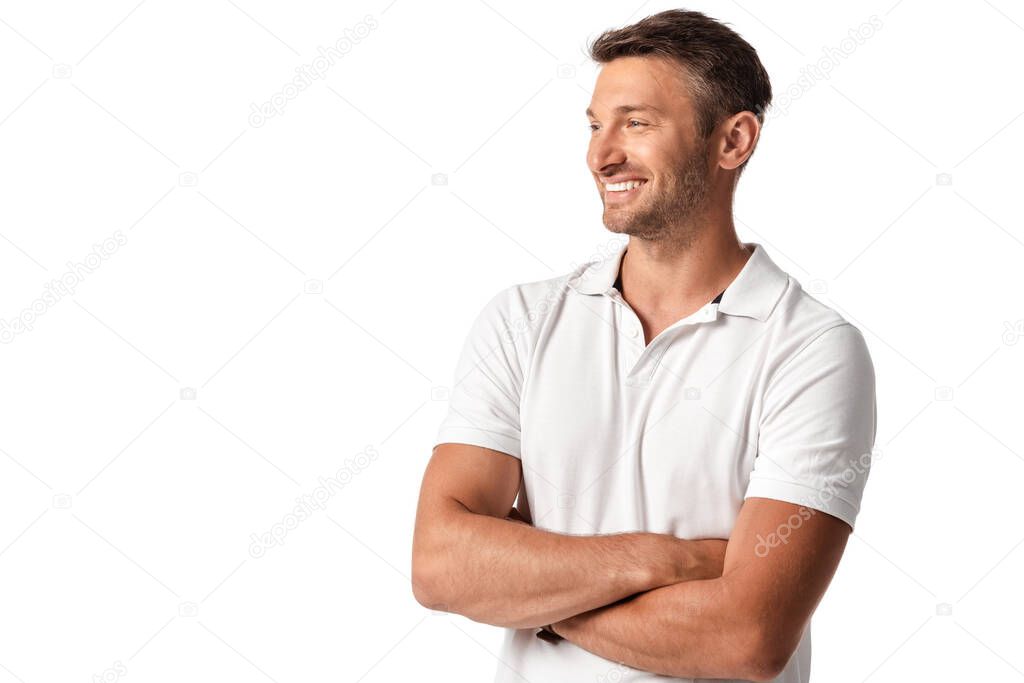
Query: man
{"x":677,"y":391}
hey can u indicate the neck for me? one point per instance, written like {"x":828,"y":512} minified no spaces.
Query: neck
{"x":672,"y":274}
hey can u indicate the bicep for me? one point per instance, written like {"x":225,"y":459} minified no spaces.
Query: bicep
{"x":475,"y":465}
{"x":815,"y":437}
{"x":459,"y":478}
{"x":780,"y":559}
{"x":481,"y":480}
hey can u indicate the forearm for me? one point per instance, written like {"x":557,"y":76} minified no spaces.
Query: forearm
{"x":694,"y":629}
{"x":746,"y":624}
{"x":506,"y":573}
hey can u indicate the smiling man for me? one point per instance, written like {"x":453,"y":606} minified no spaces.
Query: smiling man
{"x":685,"y":432}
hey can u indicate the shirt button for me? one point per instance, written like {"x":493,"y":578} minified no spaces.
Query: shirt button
{"x":633,"y":332}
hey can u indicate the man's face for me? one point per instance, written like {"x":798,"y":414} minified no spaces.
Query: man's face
{"x":657,"y":144}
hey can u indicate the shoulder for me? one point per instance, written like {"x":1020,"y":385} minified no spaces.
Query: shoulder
{"x":812,"y":332}
{"x":523,"y":307}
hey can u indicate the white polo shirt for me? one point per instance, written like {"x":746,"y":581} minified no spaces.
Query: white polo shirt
{"x":767,"y":393}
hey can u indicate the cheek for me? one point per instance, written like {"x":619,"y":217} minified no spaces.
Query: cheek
{"x":650,"y":157}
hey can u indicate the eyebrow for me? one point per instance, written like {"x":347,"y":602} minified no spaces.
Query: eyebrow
{"x":627,"y":108}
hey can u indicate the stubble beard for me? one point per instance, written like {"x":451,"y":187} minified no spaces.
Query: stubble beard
{"x":671,"y":213}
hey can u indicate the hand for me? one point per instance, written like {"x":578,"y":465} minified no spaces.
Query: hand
{"x":561,"y":628}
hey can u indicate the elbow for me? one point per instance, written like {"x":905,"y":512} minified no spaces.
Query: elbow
{"x":431,"y":551}
{"x":765,"y":656}
{"x":764,"y":668}
{"x":426,"y":585}
{"x":434,"y":588}
{"x":740,"y":653}
{"x":427,"y":577}
{"x":422,"y":588}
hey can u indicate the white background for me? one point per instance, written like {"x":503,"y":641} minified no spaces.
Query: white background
{"x":128,"y":511}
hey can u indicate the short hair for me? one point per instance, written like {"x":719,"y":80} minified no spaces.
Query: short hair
{"x":723,"y":70}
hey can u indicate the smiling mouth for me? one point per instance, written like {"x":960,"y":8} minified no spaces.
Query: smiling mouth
{"x":620,"y":191}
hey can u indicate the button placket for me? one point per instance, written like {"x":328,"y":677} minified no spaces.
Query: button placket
{"x":636,"y":355}
{"x":642,"y":373}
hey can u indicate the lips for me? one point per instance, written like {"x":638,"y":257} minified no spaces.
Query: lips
{"x":616,"y":196}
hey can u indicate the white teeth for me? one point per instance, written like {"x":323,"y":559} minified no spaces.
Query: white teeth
{"x":622,"y":187}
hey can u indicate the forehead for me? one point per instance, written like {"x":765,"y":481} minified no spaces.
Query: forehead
{"x":639,"y":80}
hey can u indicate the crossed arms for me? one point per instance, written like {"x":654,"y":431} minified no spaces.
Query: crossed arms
{"x":686,"y":608}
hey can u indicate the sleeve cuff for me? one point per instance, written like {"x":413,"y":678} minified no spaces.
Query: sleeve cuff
{"x":480,"y":437}
{"x":823,"y":500}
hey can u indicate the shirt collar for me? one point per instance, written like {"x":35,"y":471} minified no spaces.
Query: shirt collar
{"x":753,"y":293}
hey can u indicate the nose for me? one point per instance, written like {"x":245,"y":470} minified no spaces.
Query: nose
{"x":605,"y":150}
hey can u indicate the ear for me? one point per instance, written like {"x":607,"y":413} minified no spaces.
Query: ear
{"x":739,"y":135}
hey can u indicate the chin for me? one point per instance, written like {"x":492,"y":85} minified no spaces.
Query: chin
{"x":620,"y":227}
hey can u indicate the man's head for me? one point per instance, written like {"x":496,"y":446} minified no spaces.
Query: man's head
{"x":704,"y":93}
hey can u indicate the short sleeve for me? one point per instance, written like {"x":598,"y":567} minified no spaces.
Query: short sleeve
{"x":817,"y":426}
{"x":483,"y":402}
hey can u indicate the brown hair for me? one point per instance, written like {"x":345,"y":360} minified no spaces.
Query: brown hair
{"x":724,"y":72}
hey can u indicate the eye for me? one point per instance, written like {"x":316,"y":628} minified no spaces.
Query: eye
{"x":632,"y":121}
{"x":593,"y":127}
